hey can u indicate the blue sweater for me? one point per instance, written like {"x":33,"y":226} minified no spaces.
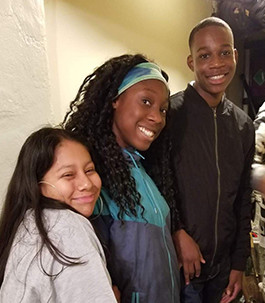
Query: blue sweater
{"x":141,"y":256}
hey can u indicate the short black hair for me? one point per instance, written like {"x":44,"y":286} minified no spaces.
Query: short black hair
{"x":210,"y":21}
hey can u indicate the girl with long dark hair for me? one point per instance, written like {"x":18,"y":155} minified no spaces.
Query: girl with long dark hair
{"x":48,"y":248}
{"x":121,"y":108}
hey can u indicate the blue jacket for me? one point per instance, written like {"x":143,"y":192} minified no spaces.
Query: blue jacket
{"x":142,"y":258}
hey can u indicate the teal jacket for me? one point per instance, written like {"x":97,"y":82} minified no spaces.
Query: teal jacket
{"x":141,"y":256}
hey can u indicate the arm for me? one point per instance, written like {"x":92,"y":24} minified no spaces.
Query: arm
{"x":102,"y":224}
{"x":242,"y":207}
{"x":189,"y":254}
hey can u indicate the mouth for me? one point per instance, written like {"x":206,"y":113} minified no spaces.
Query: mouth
{"x":85,"y":199}
{"x":217,"y":78}
{"x":147,"y":132}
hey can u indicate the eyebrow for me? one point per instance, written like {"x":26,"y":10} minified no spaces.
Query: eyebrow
{"x":71,"y":166}
{"x":151,"y":90}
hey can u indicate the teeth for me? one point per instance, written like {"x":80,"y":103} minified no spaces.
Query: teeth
{"x":147,"y":132}
{"x":217,"y":77}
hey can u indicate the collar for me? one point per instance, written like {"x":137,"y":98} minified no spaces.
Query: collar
{"x":132,"y":156}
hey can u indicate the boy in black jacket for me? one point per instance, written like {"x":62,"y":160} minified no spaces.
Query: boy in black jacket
{"x":213,"y":147}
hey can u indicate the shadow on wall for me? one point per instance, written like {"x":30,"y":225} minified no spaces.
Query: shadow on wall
{"x":159,"y":28}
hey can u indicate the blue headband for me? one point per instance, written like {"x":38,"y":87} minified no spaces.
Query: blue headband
{"x":140,"y":72}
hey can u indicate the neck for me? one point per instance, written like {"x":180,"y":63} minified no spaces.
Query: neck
{"x":211,"y":99}
{"x":212,"y":102}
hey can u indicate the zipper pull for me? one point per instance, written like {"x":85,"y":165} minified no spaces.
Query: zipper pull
{"x":214,"y":112}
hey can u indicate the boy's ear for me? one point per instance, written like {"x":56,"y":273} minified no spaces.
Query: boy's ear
{"x":190,"y":63}
{"x":236,"y":54}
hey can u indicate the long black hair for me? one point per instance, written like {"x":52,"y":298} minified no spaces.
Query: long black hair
{"x":35,"y":159}
{"x":91,"y":116}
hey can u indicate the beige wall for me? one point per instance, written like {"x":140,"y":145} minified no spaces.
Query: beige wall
{"x":24,"y":82}
{"x":82,"y":34}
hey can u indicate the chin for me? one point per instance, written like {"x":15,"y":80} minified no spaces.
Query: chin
{"x":86,"y":212}
{"x":143,"y":148}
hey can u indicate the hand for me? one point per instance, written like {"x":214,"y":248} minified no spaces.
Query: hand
{"x":117,"y":293}
{"x":234,"y":286}
{"x":189,"y":255}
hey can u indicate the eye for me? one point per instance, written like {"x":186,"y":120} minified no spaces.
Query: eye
{"x":226,"y":53}
{"x":147,"y":102}
{"x":68,"y":175}
{"x":164,"y":111}
{"x":90,"y":170}
{"x":204,"y":56}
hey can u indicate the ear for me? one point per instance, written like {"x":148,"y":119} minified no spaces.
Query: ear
{"x":190,"y":62}
{"x":116,"y":102}
{"x":236,"y":54}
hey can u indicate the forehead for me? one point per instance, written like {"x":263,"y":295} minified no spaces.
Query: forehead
{"x":210,"y":36}
{"x":68,"y":150}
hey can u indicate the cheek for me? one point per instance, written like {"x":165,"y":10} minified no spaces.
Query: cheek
{"x":51,"y":192}
{"x":45,"y":190}
{"x":199,"y":65}
{"x":65,"y":189}
{"x":163,"y":124}
{"x":164,"y":121}
{"x":97,"y":181}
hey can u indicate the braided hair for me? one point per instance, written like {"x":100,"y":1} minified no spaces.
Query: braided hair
{"x":91,"y":116}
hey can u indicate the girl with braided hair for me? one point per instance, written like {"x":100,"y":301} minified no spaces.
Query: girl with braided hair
{"x":121,"y":108}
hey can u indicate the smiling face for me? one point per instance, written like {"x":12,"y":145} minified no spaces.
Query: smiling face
{"x":213,"y":61}
{"x":140,"y":114}
{"x":72,"y":178}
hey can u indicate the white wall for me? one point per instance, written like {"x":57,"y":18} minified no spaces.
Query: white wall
{"x":24,"y":83}
{"x":82,"y":34}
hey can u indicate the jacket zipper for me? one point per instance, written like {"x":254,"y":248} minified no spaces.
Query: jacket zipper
{"x":151,"y":197}
{"x":218,"y":186}
{"x":156,"y":210}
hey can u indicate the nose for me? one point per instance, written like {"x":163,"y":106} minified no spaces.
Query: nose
{"x":84,"y":183}
{"x":217,"y":61}
{"x":155,"y":115}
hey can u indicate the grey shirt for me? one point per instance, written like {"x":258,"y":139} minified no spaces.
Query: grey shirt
{"x":25,"y":279}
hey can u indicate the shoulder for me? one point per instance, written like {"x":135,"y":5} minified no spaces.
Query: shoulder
{"x":186,"y":98}
{"x":242,"y":124}
{"x":65,"y":218}
{"x":243,"y":120}
{"x":71,"y":231}
{"x":176,"y":100}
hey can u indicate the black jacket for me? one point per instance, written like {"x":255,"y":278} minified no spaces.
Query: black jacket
{"x":212,"y":152}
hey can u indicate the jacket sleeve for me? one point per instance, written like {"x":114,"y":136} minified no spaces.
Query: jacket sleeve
{"x":242,"y":206}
